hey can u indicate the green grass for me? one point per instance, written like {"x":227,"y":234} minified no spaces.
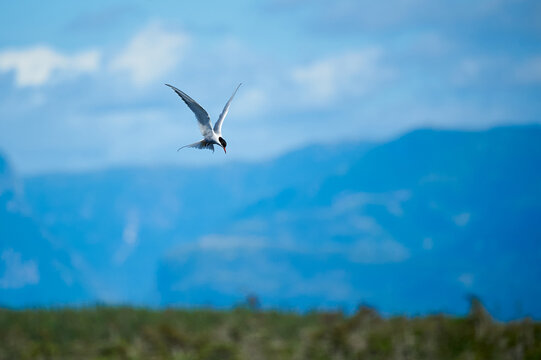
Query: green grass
{"x":132,"y":333}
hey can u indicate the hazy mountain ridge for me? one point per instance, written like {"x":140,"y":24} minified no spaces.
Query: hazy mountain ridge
{"x":119,"y":222}
{"x":325,"y":226}
{"x":407,"y":221}
{"x":33,"y":269}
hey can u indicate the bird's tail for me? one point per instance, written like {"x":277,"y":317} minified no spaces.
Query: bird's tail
{"x":203,"y":144}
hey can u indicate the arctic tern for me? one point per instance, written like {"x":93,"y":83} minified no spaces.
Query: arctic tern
{"x":211,"y":136}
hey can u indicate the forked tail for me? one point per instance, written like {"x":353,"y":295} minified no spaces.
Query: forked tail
{"x":203,"y":144}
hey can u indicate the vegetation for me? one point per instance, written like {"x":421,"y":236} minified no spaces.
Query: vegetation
{"x":246,"y":333}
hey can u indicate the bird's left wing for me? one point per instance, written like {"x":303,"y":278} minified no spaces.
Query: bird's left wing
{"x":218,"y":125}
{"x":201,"y":114}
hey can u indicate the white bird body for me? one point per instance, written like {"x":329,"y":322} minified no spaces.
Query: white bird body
{"x":211,"y":136}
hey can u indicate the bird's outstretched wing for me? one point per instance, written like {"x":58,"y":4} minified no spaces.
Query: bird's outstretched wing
{"x":203,"y":144}
{"x":202,"y":116}
{"x":218,"y":125}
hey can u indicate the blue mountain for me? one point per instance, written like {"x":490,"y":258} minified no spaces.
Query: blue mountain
{"x":411,"y":226}
{"x":34,"y":268}
{"x":120,"y":222}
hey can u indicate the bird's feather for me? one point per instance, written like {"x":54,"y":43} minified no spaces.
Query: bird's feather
{"x":218,"y":125}
{"x":203,"y":144}
{"x":201,"y":114}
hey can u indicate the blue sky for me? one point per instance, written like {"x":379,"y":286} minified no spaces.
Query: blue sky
{"x":81,"y":83}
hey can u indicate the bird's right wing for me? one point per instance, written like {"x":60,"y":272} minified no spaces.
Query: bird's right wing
{"x":203,"y":144}
{"x":202,"y":116}
{"x":218,"y":125}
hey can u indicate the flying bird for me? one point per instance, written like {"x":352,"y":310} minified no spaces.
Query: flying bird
{"x":211,"y":136}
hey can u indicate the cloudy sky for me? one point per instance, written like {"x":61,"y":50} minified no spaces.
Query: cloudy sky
{"x":81,"y":83}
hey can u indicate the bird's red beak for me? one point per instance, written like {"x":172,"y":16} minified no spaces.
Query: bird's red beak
{"x":224,"y":150}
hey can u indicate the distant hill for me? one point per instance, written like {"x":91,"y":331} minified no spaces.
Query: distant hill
{"x":33,"y":269}
{"x":120,"y":222}
{"x":412,"y":225}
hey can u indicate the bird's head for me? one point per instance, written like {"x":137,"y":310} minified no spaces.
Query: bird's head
{"x":223,"y":143}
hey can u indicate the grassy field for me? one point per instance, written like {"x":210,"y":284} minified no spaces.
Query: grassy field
{"x":243,"y":333}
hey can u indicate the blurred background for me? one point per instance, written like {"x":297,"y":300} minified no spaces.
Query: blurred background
{"x":382,"y":153}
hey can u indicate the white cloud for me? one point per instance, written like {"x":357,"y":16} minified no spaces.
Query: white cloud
{"x":152,"y":53}
{"x":349,"y":73}
{"x":149,"y":55}
{"x":18,"y":273}
{"x":38,"y":65}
